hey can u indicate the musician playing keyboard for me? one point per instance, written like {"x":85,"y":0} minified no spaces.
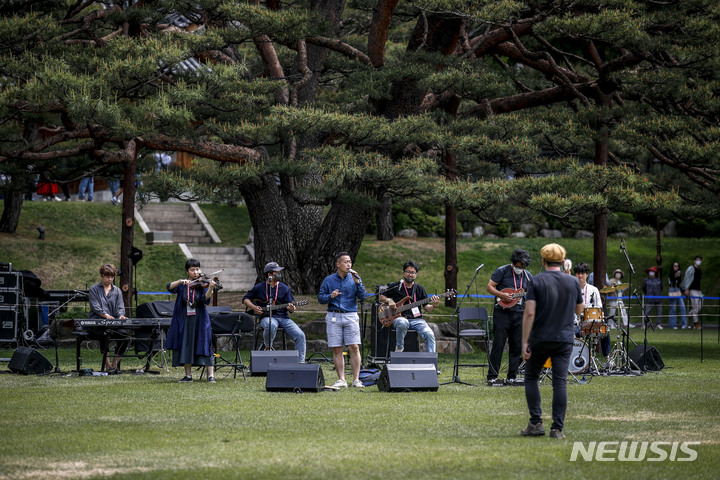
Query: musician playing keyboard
{"x":274,"y":292}
{"x":509,"y":284}
{"x":106,"y":302}
{"x":412,"y":318}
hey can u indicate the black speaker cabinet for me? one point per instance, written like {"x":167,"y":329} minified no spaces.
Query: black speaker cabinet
{"x":10,"y":280}
{"x":408,"y":377}
{"x":11,"y":297}
{"x":8,"y":324}
{"x":260,"y":359}
{"x":413,"y":358}
{"x":649,"y":361}
{"x":302,"y":377}
{"x":156,"y":309}
{"x":29,"y":361}
{"x":380,"y":336}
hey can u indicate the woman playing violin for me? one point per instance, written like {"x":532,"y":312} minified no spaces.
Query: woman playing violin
{"x":190,"y":336}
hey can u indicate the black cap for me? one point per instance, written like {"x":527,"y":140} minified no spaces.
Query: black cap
{"x":273,"y":267}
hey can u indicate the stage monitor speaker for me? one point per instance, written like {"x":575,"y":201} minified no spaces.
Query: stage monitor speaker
{"x":413,"y":358}
{"x":156,"y":309}
{"x":408,"y":377}
{"x":260,"y":359}
{"x":649,"y":360}
{"x":303,"y":377}
{"x":29,"y":361}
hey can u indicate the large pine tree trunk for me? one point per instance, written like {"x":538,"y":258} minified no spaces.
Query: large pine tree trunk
{"x":13,"y":207}
{"x":384,"y":219}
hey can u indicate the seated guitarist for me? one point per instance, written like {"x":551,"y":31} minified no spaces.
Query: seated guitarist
{"x":412,"y":318}
{"x":508,"y":283}
{"x":274,"y":292}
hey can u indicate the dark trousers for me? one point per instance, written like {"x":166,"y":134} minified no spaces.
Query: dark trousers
{"x":559,"y":354}
{"x":508,"y":327}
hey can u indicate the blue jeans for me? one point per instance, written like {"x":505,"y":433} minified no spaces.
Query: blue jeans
{"x":114,"y":184}
{"x":87,"y":183}
{"x":677,"y":302}
{"x":290,"y":328}
{"x":402,"y":325}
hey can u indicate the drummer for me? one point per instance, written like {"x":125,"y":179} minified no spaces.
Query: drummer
{"x":591,"y":296}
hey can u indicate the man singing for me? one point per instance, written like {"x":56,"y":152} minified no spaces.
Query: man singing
{"x":548,"y":331}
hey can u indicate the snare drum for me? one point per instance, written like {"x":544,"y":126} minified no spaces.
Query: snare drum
{"x":593,"y":323}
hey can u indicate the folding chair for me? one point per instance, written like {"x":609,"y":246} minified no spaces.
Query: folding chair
{"x":477,"y":315}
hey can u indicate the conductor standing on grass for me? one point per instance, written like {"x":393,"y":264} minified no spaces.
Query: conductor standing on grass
{"x":548,"y":331}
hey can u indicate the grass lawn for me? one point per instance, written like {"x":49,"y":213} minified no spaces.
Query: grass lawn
{"x":150,"y":426}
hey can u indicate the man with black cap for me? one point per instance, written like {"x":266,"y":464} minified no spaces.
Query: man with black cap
{"x":548,"y":330}
{"x":508,"y":313}
{"x":274,"y":292}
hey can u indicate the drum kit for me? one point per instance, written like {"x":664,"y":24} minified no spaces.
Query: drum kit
{"x":592,"y":327}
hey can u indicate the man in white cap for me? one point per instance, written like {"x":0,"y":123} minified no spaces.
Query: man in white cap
{"x":274,"y":292}
{"x":548,"y":331}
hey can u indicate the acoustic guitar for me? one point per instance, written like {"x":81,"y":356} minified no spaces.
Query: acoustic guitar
{"x":516,"y":296}
{"x":387,"y":315}
{"x":265,"y":308}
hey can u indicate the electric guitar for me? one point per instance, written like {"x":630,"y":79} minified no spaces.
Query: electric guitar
{"x":387,"y":315}
{"x":516,"y":296}
{"x":265,"y":308}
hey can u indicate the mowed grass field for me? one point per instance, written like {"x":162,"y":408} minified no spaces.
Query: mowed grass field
{"x":149,"y":426}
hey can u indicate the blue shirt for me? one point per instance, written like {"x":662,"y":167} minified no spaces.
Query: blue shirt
{"x":351,"y":292}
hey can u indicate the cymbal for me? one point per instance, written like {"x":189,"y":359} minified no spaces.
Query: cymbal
{"x":614,"y":288}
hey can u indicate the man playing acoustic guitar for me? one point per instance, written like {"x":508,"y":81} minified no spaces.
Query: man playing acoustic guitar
{"x":274,"y":292}
{"x":411,"y":318}
{"x":508,"y":283}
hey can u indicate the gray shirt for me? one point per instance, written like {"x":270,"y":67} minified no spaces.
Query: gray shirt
{"x":101,"y":304}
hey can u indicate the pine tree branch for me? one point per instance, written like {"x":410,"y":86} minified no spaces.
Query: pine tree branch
{"x":338,"y":46}
{"x":274,"y":68}
{"x":213,"y":151}
{"x":696,"y":174}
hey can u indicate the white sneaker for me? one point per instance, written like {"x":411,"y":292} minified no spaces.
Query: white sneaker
{"x":399,"y":349}
{"x":341,"y":383}
{"x":358,"y":384}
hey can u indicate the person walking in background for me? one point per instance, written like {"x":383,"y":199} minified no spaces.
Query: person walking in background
{"x":86,"y":184}
{"x":691,"y":287}
{"x":676,"y":301}
{"x":341,"y":292}
{"x":548,"y":331}
{"x":652,"y":287}
{"x":190,"y":334}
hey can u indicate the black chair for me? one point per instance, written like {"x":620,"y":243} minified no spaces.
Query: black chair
{"x":478,"y":315}
{"x":229,"y":328}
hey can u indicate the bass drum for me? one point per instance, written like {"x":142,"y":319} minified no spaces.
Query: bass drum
{"x":580,"y":357}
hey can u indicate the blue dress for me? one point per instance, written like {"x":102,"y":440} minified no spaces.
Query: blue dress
{"x":190,"y":336}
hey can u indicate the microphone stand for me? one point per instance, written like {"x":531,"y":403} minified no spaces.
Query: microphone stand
{"x":646,"y":321}
{"x":456,"y":367}
{"x":623,"y":249}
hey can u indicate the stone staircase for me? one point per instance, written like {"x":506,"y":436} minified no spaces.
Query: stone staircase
{"x":180,"y":219}
{"x":239,"y":270}
{"x":186,"y":225}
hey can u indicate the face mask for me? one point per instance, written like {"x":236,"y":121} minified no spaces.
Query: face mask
{"x":409,"y":279}
{"x":698,"y":262}
{"x":277,"y":276}
{"x":618,"y":276}
{"x":518,"y":271}
{"x":651,"y":274}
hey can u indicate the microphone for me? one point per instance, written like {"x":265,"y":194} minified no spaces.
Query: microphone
{"x":478,"y":269}
{"x":354,"y":274}
{"x":578,"y":361}
{"x":622,"y":244}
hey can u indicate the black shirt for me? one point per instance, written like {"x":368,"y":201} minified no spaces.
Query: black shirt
{"x":398,"y":290}
{"x":505,"y":277}
{"x":556,"y":295}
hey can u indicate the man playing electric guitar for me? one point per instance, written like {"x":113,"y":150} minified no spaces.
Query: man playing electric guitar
{"x":274,"y":292}
{"x":508,"y":283}
{"x":411,"y":318}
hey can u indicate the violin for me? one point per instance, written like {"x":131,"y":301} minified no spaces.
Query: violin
{"x":203,"y":281}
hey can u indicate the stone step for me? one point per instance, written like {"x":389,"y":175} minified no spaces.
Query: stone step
{"x":225,"y":250}
{"x":169,"y":217}
{"x":191,"y":240}
{"x":175,"y":226}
